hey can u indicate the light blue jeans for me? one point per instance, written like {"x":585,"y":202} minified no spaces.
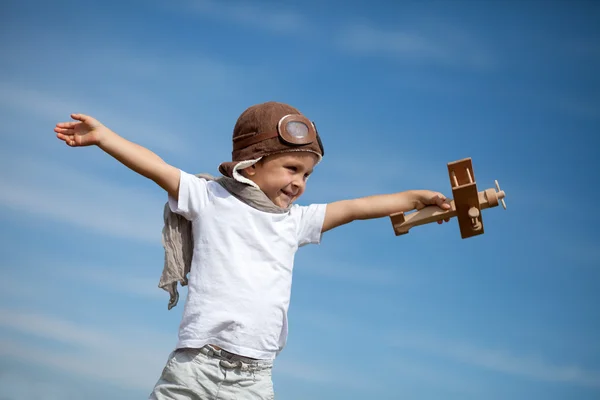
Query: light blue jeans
{"x":211,"y":374}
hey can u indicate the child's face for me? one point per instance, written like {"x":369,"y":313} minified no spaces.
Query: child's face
{"x":282,"y":177}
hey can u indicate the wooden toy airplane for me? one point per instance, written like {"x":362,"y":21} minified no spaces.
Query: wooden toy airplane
{"x":466,"y":206}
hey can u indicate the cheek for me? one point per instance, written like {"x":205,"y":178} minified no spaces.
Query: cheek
{"x":302,"y":188}
{"x":281,"y":180}
{"x":286,"y":177}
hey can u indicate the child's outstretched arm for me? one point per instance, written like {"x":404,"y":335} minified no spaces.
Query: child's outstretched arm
{"x":345,"y":211}
{"x":87,"y":131}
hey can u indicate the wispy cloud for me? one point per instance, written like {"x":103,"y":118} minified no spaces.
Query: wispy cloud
{"x":177,"y":73}
{"x":415,"y":370}
{"x":105,"y":366}
{"x":579,"y":108}
{"x":16,"y":386}
{"x":54,"y":328}
{"x":262,"y":17}
{"x":340,"y":272}
{"x":118,"y":283}
{"x":57,"y":107}
{"x":122,"y":281}
{"x":304,"y":372}
{"x":328,"y":374}
{"x":496,"y":360}
{"x":582,"y":47}
{"x":404,"y":367}
{"x":52,"y":190}
{"x":446,"y":45}
{"x":579,"y":251}
{"x":130,"y":357}
{"x":450,"y":48}
{"x":370,"y":172}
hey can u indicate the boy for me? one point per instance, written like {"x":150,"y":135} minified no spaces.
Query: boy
{"x":244,"y":240}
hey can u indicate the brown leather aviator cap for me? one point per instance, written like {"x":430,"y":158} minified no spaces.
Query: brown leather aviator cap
{"x":271,"y":128}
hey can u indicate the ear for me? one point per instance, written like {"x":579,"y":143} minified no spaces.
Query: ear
{"x":250,"y":171}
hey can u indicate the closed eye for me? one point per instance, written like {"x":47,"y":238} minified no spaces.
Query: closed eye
{"x":292,"y":168}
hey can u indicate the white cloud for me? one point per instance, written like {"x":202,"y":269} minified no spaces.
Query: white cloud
{"x":450,"y":380}
{"x":114,"y":278}
{"x":447,"y":48}
{"x":181,"y":73}
{"x":304,"y":372}
{"x":129,"y":368}
{"x":579,"y":108}
{"x":58,"y":107}
{"x":581,"y":251}
{"x":62,"y":194}
{"x":117,"y":281}
{"x":324,"y":374}
{"x":496,"y":360}
{"x":54,"y":329}
{"x":378,"y":171}
{"x":272,"y":19}
{"x":130,"y":357}
{"x":338,"y":271}
{"x":16,"y":386}
{"x":434,"y":42}
{"x":323,"y":320}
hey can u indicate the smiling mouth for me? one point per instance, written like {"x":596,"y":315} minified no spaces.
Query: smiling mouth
{"x":288,"y":195}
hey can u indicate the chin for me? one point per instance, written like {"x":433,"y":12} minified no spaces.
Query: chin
{"x":285,"y":204}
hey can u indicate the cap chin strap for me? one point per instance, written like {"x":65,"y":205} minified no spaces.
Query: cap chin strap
{"x":241,"y":165}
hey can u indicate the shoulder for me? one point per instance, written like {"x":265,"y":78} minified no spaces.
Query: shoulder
{"x":205,"y":181}
{"x":296,"y":208}
{"x":308,"y":211}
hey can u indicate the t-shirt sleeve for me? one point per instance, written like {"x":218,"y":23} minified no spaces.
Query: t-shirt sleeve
{"x":311,"y":223}
{"x":193,"y":196}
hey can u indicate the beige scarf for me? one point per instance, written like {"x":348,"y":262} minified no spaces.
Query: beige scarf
{"x":177,"y":233}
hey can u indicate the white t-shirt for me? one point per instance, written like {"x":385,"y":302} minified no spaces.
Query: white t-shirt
{"x":241,"y":275}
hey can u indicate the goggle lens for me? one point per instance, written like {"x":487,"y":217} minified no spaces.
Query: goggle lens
{"x":297,"y":129}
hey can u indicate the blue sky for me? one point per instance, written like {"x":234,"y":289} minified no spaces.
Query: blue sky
{"x":397,"y":89}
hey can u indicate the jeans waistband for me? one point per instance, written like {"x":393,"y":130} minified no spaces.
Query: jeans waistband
{"x":232,"y":361}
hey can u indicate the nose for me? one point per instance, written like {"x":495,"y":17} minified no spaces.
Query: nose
{"x":298,"y":185}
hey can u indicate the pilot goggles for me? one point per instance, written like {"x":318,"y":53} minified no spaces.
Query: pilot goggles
{"x":292,"y":129}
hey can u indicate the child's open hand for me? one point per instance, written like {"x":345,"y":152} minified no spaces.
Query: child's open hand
{"x":86,"y":131}
{"x":429,"y":198}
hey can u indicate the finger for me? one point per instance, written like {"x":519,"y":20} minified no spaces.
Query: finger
{"x":68,"y":139}
{"x":79,"y":117}
{"x":84,"y":118}
{"x":64,"y":137}
{"x":64,"y":131}
{"x":67,"y":125}
{"x":442,"y":202}
{"x":438,"y":200}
